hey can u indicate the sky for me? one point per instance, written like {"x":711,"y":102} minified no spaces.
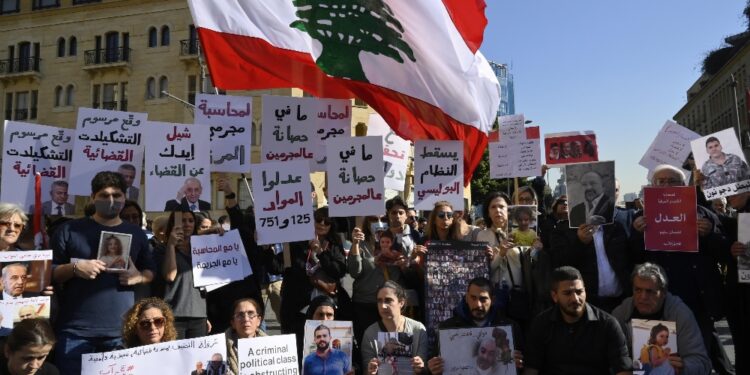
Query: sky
{"x":620,"y":68}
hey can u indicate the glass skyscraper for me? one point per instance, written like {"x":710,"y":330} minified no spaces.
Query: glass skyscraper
{"x":507,"y":102}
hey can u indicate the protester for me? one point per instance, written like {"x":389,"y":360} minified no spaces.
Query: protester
{"x":574,"y":337}
{"x":27,"y":347}
{"x":91,"y":301}
{"x":396,"y":208}
{"x":150,"y":321}
{"x":477,"y":310}
{"x":12,"y":222}
{"x":188,"y":303}
{"x":321,"y":308}
{"x":245,"y":323}
{"x":652,"y":301}
{"x":391,"y":300}
{"x":440,"y":222}
{"x":132,"y":213}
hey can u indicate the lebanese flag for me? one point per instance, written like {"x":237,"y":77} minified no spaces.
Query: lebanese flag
{"x":414,"y":61}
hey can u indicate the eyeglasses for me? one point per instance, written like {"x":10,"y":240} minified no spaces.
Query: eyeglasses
{"x":246,"y":315}
{"x":667,"y":182}
{"x":146,"y":323}
{"x":17,"y":226}
{"x":19,"y":277}
{"x":445,"y":214}
{"x":323,"y":220}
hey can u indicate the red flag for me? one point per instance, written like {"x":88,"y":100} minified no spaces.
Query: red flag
{"x":40,"y":237}
{"x":415,"y":62}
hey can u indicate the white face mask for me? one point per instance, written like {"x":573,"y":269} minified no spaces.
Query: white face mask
{"x":226,"y":226}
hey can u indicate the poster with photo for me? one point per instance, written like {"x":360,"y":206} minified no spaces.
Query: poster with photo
{"x":722,"y":163}
{"x":472,"y":351}
{"x":114,"y":250}
{"x":523,"y":224}
{"x":29,"y":272}
{"x":743,"y":236}
{"x":448,"y":268}
{"x":395,"y":353}
{"x":13,"y":311}
{"x":591,"y":193}
{"x":653,"y":341}
{"x":570,"y":147}
{"x":330,"y":339}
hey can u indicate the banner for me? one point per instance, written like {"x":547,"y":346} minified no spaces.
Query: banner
{"x":177,"y":167}
{"x":229,"y":119}
{"x":438,"y":169}
{"x":218,"y":259}
{"x":471,"y":351}
{"x":284,"y":212}
{"x":448,"y":268}
{"x":671,"y":146}
{"x":570,"y":147}
{"x":396,"y":152}
{"x":355,"y":177}
{"x":722,"y":164}
{"x":518,"y":158}
{"x":671,"y":218}
{"x":268,"y":355}
{"x":105,"y":141}
{"x":181,"y":357}
{"x":28,"y":149}
{"x":286,"y":134}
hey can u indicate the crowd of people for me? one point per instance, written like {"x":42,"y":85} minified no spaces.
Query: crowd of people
{"x":567,"y":294}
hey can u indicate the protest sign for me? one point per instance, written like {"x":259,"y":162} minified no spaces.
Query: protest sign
{"x":671,"y":146}
{"x":461,"y":350}
{"x":218,"y":259}
{"x":671,"y":218}
{"x":36,"y":265}
{"x":591,"y":193}
{"x":284,"y":210}
{"x":333,"y":120}
{"x":438,"y":172}
{"x":570,"y":147}
{"x":743,"y":236}
{"x":396,"y":151}
{"x":13,"y":311}
{"x":448,"y":268}
{"x":518,"y":158}
{"x":653,"y":342}
{"x":229,"y":119}
{"x":105,"y":141}
{"x":722,"y":164}
{"x":395,"y":353}
{"x":114,"y":250}
{"x":287,"y":133}
{"x":512,"y":121}
{"x":168,"y":358}
{"x":355,"y":177}
{"x":177,"y":167}
{"x":268,"y":355}
{"x":333,"y":340}
{"x":31,"y":148}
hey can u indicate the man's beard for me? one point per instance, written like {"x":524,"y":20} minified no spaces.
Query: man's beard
{"x":323,"y":346}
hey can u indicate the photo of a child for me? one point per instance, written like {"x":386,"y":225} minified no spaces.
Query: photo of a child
{"x":114,"y":249}
{"x":524,"y":225}
{"x":652,"y":347}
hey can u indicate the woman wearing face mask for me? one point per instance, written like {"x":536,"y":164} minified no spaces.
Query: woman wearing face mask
{"x":188,"y":303}
{"x":27,"y":347}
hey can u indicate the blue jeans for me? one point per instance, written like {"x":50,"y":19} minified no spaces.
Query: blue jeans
{"x":71,"y":347}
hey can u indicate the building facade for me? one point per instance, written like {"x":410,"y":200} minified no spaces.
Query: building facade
{"x":59,"y":55}
{"x":507,"y":96}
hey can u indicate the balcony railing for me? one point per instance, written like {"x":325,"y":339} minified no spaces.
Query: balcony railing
{"x":189,"y":47}
{"x":107,"y":56}
{"x":13,"y":66}
{"x":22,"y":114}
{"x":112,"y":106}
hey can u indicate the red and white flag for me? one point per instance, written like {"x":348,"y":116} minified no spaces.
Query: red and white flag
{"x":415,"y":62}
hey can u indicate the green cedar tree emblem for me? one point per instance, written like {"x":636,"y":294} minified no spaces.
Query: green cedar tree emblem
{"x":347,"y":27}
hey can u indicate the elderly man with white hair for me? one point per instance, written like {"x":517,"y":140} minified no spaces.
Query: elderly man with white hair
{"x":694,"y":277}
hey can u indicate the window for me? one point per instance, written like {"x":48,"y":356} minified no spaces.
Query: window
{"x":124,"y":96}
{"x":61,"y":47}
{"x":9,"y":106}
{"x":69,"y":95}
{"x":58,"y":96}
{"x":165,"y":35}
{"x":152,"y":37}
{"x":34,"y":101}
{"x":192,"y":88}
{"x":22,"y":106}
{"x":109,"y":101}
{"x":44,"y":4}
{"x":9,"y":6}
{"x":150,"y":88}
{"x":72,"y":46}
{"x":163,"y":86}
{"x":76,"y":2}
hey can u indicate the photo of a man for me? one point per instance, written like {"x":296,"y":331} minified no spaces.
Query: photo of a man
{"x":128,"y":173}
{"x":14,"y":277}
{"x":188,"y":197}
{"x":722,"y":168}
{"x":326,"y":360}
{"x":592,"y":186}
{"x":198,"y":369}
{"x":58,"y":204}
{"x":216,"y":365}
{"x":27,"y":312}
{"x":486,"y":359}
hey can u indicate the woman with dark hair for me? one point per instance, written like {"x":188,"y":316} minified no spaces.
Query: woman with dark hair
{"x":132,"y":213}
{"x":247,"y":315}
{"x":391,"y":301}
{"x":150,"y":321}
{"x":175,"y":263}
{"x":27,"y":347}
